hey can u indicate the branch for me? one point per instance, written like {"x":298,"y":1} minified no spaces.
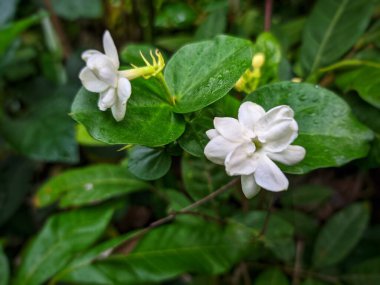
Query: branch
{"x":268,"y":14}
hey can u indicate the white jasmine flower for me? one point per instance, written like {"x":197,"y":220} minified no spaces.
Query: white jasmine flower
{"x":248,"y":146}
{"x":101,"y":75}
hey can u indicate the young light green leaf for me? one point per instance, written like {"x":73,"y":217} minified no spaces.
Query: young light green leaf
{"x":201,"y":73}
{"x":149,"y":163}
{"x":272,"y":276}
{"x":340,"y":234}
{"x":331,"y":30}
{"x":189,"y":245}
{"x":148,"y":121}
{"x":88,"y":185}
{"x":324,"y":121}
{"x":4,"y":268}
{"x":366,"y":272}
{"x":62,"y":237}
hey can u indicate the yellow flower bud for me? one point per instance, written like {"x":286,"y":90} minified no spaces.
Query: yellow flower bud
{"x":258,"y":60}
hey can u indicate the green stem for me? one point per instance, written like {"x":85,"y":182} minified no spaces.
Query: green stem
{"x":170,"y":98}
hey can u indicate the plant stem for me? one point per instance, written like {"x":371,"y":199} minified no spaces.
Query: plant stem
{"x":268,"y":14}
{"x":170,"y":98}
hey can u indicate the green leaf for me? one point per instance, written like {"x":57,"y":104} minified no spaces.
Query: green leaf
{"x":10,"y":31}
{"x":304,"y":225}
{"x":201,"y":177}
{"x":84,"y":138}
{"x":194,"y":138}
{"x":175,"y":15}
{"x":331,"y":30}
{"x":191,"y":245}
{"x":73,"y":9}
{"x":7,"y":10}
{"x":214,"y":24}
{"x":366,"y":272}
{"x":365,"y":81}
{"x":4,"y":268}
{"x":309,"y":196}
{"x":311,"y":281}
{"x":88,"y":185}
{"x":324,"y":121}
{"x":43,"y":131}
{"x":149,"y":119}
{"x":149,"y":163}
{"x":62,"y":237}
{"x":201,"y":73}
{"x":131,"y":53}
{"x":15,"y":180}
{"x":272,"y":276}
{"x":340,"y":234}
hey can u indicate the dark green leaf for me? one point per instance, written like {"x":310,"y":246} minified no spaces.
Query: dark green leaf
{"x":311,"y":281}
{"x":4,"y":268}
{"x":366,"y":272}
{"x":131,"y":53}
{"x":331,"y":30}
{"x":324,"y":121}
{"x":201,"y":73}
{"x":214,"y":24}
{"x":149,"y":163}
{"x":73,"y":9}
{"x":272,"y":276}
{"x":175,"y":15}
{"x":309,"y":196}
{"x":340,"y":234}
{"x":149,"y":119}
{"x":88,"y":185}
{"x":63,"y":236}
{"x":15,"y":178}
{"x":304,"y":225}
{"x":192,"y":246}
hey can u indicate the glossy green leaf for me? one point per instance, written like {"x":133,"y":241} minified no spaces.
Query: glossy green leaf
{"x":324,"y":121}
{"x":148,"y":121}
{"x":366,"y":272}
{"x":149,"y":163}
{"x":194,"y":138}
{"x":309,"y":196}
{"x":365,"y":81}
{"x":88,"y":185}
{"x":15,"y":180}
{"x":73,"y":9}
{"x":331,"y":30}
{"x":272,"y":276}
{"x":84,"y":138}
{"x":201,"y":73}
{"x":190,"y":245}
{"x":43,"y":131}
{"x":62,"y":237}
{"x":201,"y":177}
{"x":4,"y":268}
{"x":340,"y":234}
{"x":175,"y":15}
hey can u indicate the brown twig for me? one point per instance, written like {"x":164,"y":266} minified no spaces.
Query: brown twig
{"x":298,"y":262}
{"x":268,"y":14}
{"x":267,"y":217}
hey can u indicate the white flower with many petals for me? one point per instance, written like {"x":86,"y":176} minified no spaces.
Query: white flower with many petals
{"x":248,"y":146}
{"x":101,"y":75}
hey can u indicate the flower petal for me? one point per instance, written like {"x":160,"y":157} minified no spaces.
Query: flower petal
{"x":249,"y":114}
{"x":124,"y":89}
{"x":279,"y":136}
{"x":249,"y":186}
{"x":212,"y":134}
{"x":291,"y":155}
{"x":91,"y":82}
{"x":103,"y":68}
{"x":88,"y":53}
{"x":269,"y":176}
{"x":232,"y":130}
{"x":242,"y":161}
{"x":218,"y":148}
{"x":110,"y":49}
{"x":107,"y":99}
{"x":118,"y":110}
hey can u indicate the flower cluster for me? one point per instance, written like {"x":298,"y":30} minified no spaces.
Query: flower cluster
{"x":101,"y":75}
{"x":247,"y":146}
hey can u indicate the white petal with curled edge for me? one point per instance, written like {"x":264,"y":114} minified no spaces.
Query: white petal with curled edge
{"x":241,"y":161}
{"x":279,"y":135}
{"x":231,"y":129}
{"x":249,"y":186}
{"x":91,"y":82}
{"x":88,"y":53}
{"x":291,"y":155}
{"x":249,"y":114}
{"x":269,"y":176}
{"x":118,"y":110}
{"x":110,"y":49}
{"x":124,"y":89}
{"x":212,"y":134}
{"x":272,"y":116}
{"x":107,"y":99}
{"x":103,"y":68}
{"x":218,"y":148}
